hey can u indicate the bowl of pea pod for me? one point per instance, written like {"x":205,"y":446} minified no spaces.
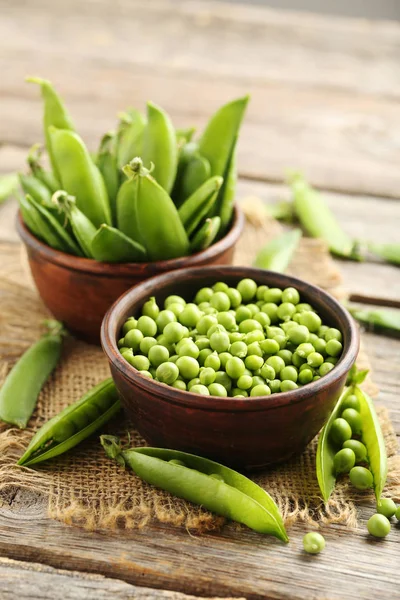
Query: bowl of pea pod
{"x":237,"y":364}
{"x":150,"y":200}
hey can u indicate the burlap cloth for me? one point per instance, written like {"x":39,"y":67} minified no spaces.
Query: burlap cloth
{"x":85,"y":488}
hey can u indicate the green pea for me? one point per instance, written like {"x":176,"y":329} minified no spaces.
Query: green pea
{"x":253,"y":336}
{"x":200,"y":389}
{"x":351,"y":401}
{"x":141,"y":363}
{"x":120,"y":343}
{"x":260,"y":390}
{"x":150,"y":308}
{"x":305,"y":349}
{"x":303,"y":307}
{"x":238,"y":349}
{"x":333,"y":334}
{"x":273,"y":295}
{"x":228,"y":320}
{"x":242,"y":314}
{"x":316,"y":377}
{"x":244,"y":382}
{"x":332,"y":360}
{"x":344,"y":460}
{"x":322,"y":331}
{"x":378,"y":526}
{"x":276,"y":362}
{"x":152,"y":372}
{"x":224,"y":357}
{"x":164,"y":317}
{"x":207,"y":376}
{"x":267,"y":372}
{"x":340,"y":431}
{"x":204,"y":295}
{"x":133,"y":339}
{"x":313,"y":542}
{"x":310,"y":320}
{"x":397,"y":514}
{"x":305,"y":376}
{"x":203,"y":355}
{"x":319,"y":345}
{"x":220,"y":286}
{"x":361,"y":478}
{"x":131,"y":323}
{"x":174,"y":300}
{"x":146,"y":374}
{"x":275,"y":386}
{"x":253,"y":362}
{"x":205,"y":323}
{"x":271,"y":310}
{"x":158,"y":354}
{"x":261,"y":291}
{"x":298,"y":335}
{"x":162,"y":341}
{"x":124,"y":349}
{"x":269,"y":346}
{"x":290,"y":294}
{"x":254,"y":309}
{"x":235,"y":336}
{"x":297,"y":360}
{"x":289,"y":373}
{"x":188,"y":367}
{"x":202,"y":343}
{"x":173,"y":358}
{"x":188,"y":348}
{"x":234,"y":297}
{"x":203,"y":306}
{"x":263,"y":319}
{"x":254,"y":349}
{"x":238,"y":393}
{"x":146,"y":343}
{"x":358,"y":448}
{"x":249,"y":325}
{"x":190,"y":315}
{"x":285,"y":311}
{"x":286,"y":355}
{"x":127,"y":355}
{"x":247,"y":288}
{"x":192,"y":382}
{"x":176,"y":308}
{"x":354,"y":420}
{"x":287,"y":385}
{"x":219,"y":341}
{"x":315,"y":359}
{"x":220,"y":301}
{"x":223,"y":378}
{"x":173,"y":332}
{"x":257,"y":381}
{"x":333,"y":348}
{"x":325,"y":368}
{"x":287,"y":325}
{"x":387,"y":508}
{"x":281,"y":340}
{"x":213,"y":361}
{"x":216,"y":389}
{"x":235,"y":367}
{"x":167,"y":372}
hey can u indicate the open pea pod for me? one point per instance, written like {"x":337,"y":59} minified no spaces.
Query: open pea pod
{"x":203,"y":482}
{"x":277,"y":254}
{"x":74,"y":424}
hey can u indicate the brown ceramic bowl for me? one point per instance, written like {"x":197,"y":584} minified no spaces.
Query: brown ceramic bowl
{"x":79,"y":291}
{"x":246,"y":433}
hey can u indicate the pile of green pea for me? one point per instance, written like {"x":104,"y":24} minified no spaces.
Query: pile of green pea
{"x":343,"y":434}
{"x":248,"y":340}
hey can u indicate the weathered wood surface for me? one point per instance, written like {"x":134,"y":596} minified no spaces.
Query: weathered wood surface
{"x":325,"y":97}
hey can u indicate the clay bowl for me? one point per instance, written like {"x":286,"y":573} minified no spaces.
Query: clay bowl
{"x":79,"y":291}
{"x":246,"y":433}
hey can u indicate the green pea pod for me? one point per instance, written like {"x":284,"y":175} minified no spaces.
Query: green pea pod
{"x":107,"y":163}
{"x":163,"y":233}
{"x":127,"y":219}
{"x":80,"y":176}
{"x":82,"y":227}
{"x":226,"y":197}
{"x":199,"y":204}
{"x":218,"y":139}
{"x":46,"y":177}
{"x":74,"y":424}
{"x":277,"y":254}
{"x":196,"y":173}
{"x":186,"y":153}
{"x":389,"y":252}
{"x":111,"y":245}
{"x":160,"y":146}
{"x":318,"y":220}
{"x":51,"y":231}
{"x":30,"y":217}
{"x":186,"y":135}
{"x":205,"y":236}
{"x":35,"y":188}
{"x":20,"y":391}
{"x":386,"y":320}
{"x":55,"y":115}
{"x":130,"y":136}
{"x":8,"y":186}
{"x":231,"y":495}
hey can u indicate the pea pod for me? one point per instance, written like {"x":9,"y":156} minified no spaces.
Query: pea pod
{"x":8,"y":186}
{"x":160,"y":146}
{"x":54,"y":115}
{"x":35,"y":188}
{"x":277,"y":254}
{"x":205,"y":236}
{"x":387,"y":320}
{"x":282,"y":211}
{"x":226,"y":197}
{"x":127,"y":220}
{"x":107,"y":163}
{"x":74,"y":424}
{"x":389,"y":252}
{"x":130,"y":136}
{"x":185,"y":135}
{"x":199,"y":204}
{"x":157,"y":218}
{"x":46,"y":177}
{"x":30,"y":217}
{"x":82,"y":227}
{"x":20,"y":391}
{"x":196,"y":173}
{"x":111,"y":245}
{"x":50,"y":230}
{"x":218,"y":139}
{"x":318,"y":220}
{"x":203,"y":482}
{"x":187,"y":152}
{"x":80,"y":176}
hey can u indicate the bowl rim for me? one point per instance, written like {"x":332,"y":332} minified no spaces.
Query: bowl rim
{"x":89,"y":265}
{"x":227,"y":404}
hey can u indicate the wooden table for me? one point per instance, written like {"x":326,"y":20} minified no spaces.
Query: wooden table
{"x":325,"y":99}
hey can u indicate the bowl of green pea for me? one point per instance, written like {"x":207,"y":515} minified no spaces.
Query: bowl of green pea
{"x":237,"y":364}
